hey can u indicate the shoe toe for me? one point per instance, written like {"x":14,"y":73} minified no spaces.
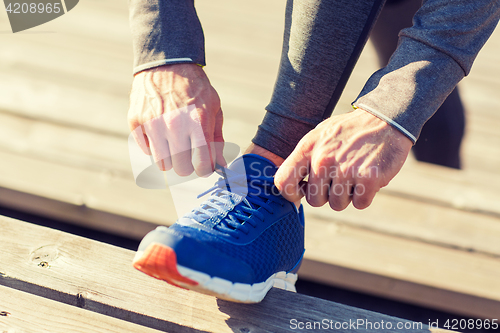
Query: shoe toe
{"x":198,"y":255}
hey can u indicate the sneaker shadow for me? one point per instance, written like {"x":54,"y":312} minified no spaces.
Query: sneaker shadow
{"x":266,"y":316}
{"x":285,"y":311}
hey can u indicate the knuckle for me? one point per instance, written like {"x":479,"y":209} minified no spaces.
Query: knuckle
{"x":164,"y":165}
{"x":338,"y":200}
{"x":174,"y":123}
{"x":316,"y":200}
{"x":203,"y":172}
{"x":203,"y":169}
{"x":361,"y":203}
{"x":336,"y":205}
{"x":287,"y":190}
{"x":183,"y":172}
{"x":290,"y":197}
{"x":313,"y":201}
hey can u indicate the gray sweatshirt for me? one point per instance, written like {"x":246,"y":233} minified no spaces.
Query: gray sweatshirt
{"x":320,"y":52}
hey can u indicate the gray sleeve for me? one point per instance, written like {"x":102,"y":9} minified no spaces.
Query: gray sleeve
{"x":432,"y":57}
{"x":165,"y":32}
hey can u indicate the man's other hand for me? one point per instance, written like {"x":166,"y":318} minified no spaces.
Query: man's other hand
{"x":347,"y":157}
{"x":175,"y":115}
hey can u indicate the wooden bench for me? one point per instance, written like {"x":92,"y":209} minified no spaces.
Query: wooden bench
{"x":430,"y":238}
{"x":51,"y":281}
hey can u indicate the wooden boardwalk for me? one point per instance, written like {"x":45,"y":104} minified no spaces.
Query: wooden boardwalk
{"x":430,"y":237}
{"x":55,"y":282}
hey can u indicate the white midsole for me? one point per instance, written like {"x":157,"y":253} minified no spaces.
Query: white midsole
{"x":241,"y":292}
{"x":225,"y":289}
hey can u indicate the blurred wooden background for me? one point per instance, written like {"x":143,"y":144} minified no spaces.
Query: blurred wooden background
{"x":430,"y":238}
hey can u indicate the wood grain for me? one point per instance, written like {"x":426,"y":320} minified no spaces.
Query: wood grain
{"x":63,"y":151}
{"x":97,"y":199}
{"x":24,"y":312}
{"x":402,"y":269}
{"x":419,"y":220}
{"x":443,"y":202}
{"x":99,"y":277}
{"x":441,"y":233}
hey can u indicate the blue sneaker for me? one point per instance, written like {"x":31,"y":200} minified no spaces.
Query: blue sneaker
{"x":233,"y":246}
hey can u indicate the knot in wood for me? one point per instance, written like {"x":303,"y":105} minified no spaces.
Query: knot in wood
{"x":43,"y":264}
{"x":44,"y":255}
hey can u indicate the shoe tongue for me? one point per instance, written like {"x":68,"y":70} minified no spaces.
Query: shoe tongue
{"x":250,"y":165}
{"x":254,"y":166}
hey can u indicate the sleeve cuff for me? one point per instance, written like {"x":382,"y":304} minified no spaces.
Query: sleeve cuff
{"x":387,"y":120}
{"x":162,"y":62}
{"x":411,"y":88}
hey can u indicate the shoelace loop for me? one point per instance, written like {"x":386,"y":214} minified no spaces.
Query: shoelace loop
{"x":251,"y":191}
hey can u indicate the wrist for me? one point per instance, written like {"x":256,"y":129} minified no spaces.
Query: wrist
{"x":388,"y":123}
{"x":183,"y":69}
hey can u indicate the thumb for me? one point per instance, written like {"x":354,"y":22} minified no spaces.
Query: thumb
{"x":140,"y":137}
{"x":290,"y":175}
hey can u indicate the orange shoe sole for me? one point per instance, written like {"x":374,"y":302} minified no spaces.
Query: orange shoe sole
{"x":160,"y":262}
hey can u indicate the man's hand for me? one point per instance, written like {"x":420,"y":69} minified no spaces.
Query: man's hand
{"x":347,"y":157}
{"x":174,"y":111}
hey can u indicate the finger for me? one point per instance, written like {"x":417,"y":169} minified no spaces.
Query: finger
{"x":364,"y":192}
{"x":181,"y":162}
{"x":290,"y":174}
{"x":161,"y":149}
{"x":165,"y":164}
{"x":158,"y":144}
{"x":141,"y":139}
{"x":218,"y":143}
{"x":220,"y":160}
{"x":201,"y":159}
{"x":318,"y":186}
{"x":180,"y":147}
{"x":340,"y":192}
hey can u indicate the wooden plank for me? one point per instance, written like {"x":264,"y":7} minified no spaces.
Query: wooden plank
{"x":423,"y":206}
{"x":78,"y":85}
{"x":65,"y":145}
{"x":417,"y":221}
{"x":470,"y":189}
{"x":97,"y":176}
{"x":102,"y":81}
{"x":24,"y":312}
{"x":81,"y":74}
{"x":53,"y":102}
{"x":99,"y":277}
{"x":96,"y":199}
{"x":420,"y":273}
{"x":81,"y":77}
{"x":107,"y":203}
